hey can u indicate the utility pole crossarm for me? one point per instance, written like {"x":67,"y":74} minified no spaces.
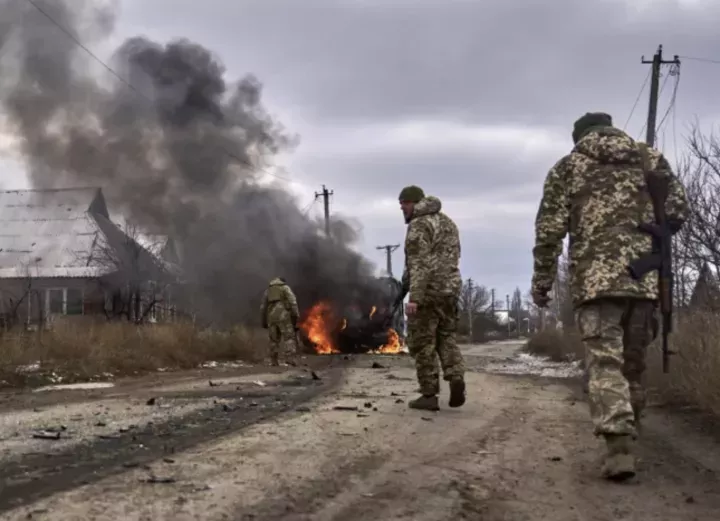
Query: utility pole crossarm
{"x":325,"y":194}
{"x":389,"y":249}
{"x":656,"y":63}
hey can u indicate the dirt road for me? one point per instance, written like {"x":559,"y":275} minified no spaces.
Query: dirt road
{"x":285,"y":446}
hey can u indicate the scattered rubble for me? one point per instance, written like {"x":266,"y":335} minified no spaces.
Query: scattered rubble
{"x":527,"y":364}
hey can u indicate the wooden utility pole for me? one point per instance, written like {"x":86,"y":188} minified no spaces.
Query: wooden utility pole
{"x":325,"y":194}
{"x":492,"y":303}
{"x":389,"y":249}
{"x":470,"y":303}
{"x":656,"y":63}
{"x":507,"y":303}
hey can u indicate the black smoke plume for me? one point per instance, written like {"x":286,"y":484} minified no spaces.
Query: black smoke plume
{"x":175,"y":147}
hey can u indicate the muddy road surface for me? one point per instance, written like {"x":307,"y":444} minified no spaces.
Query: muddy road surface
{"x":342,"y":445}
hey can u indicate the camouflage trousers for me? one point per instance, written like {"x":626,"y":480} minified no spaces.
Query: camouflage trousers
{"x":616,"y":334}
{"x":283,"y":341}
{"x":431,"y":336}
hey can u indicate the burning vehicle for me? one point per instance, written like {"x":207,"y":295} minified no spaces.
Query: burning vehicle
{"x":372,"y":324}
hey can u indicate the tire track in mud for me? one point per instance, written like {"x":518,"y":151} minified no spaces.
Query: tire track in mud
{"x":395,"y":484}
{"x":35,"y":476}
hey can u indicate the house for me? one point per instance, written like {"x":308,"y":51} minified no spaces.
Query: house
{"x":60,"y":254}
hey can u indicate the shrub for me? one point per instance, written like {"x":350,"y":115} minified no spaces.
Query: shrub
{"x":694,"y":372}
{"x":558,"y":345}
{"x":85,"y":350}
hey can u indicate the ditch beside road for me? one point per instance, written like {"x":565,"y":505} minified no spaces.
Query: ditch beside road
{"x":284,"y":445}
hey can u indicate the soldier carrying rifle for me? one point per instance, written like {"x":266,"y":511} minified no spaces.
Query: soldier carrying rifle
{"x":620,"y":203}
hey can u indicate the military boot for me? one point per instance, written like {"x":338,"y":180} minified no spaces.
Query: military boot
{"x":457,"y":392}
{"x":425,"y":403}
{"x":619,"y":462}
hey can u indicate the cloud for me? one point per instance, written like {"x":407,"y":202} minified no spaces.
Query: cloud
{"x":472,"y":100}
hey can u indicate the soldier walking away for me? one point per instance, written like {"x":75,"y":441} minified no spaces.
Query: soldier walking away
{"x":279,"y":315}
{"x":598,"y":195}
{"x":432,"y":277}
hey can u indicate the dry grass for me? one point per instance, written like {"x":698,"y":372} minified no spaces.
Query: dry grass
{"x":694,"y":376}
{"x":82,"y":351}
{"x":558,"y":345}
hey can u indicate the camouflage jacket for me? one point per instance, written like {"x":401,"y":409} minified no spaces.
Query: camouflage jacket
{"x":278,"y":304}
{"x":432,"y":253}
{"x":598,"y":195}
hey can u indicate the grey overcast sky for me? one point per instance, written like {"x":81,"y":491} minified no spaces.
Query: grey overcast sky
{"x":473,"y":100}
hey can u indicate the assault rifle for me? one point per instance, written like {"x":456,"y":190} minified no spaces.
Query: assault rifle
{"x":660,"y":258}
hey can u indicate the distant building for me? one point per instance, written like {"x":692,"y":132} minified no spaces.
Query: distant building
{"x":60,"y":254}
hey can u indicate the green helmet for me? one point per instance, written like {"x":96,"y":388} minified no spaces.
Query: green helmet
{"x":588,"y":121}
{"x":412,"y":193}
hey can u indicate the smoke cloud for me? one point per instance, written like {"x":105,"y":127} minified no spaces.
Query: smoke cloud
{"x":177,"y":149}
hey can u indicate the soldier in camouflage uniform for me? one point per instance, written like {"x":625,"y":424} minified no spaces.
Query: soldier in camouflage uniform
{"x":279,"y":315}
{"x":598,"y":195}
{"x":432,"y":276}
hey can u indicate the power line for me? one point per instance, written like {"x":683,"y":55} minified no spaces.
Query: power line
{"x":305,"y":211}
{"x":704,"y":60}
{"x":676,"y":72}
{"x":637,"y":100}
{"x":77,"y":42}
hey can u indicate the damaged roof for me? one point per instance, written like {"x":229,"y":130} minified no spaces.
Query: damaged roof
{"x":51,"y":233}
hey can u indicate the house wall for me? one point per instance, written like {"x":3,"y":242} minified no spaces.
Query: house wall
{"x":37,"y":299}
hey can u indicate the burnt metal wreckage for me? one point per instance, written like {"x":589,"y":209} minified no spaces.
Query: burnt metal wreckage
{"x":355,"y":330}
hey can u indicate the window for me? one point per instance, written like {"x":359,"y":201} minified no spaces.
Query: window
{"x":64,"y":301}
{"x":74,"y":302}
{"x":55,"y":300}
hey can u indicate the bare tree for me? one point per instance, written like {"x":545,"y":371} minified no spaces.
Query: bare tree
{"x":133,"y":275}
{"x":474,"y":298}
{"x":475,"y":308}
{"x":698,"y":243}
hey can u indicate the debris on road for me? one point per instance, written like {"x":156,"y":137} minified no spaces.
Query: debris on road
{"x":377,"y":365}
{"x":75,"y":387}
{"x":260,"y":383}
{"x":314,"y":375}
{"x":345,"y":408}
{"x":159,"y":479}
{"x":151,"y":401}
{"x":527,"y":364}
{"x":47,"y":435}
{"x":303,"y":409}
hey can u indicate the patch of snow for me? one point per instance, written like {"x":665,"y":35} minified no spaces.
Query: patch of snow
{"x":527,"y":364}
{"x":77,"y":386}
{"x":30,"y":368}
{"x":225,"y":365}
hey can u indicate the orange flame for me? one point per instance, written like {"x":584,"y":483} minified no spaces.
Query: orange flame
{"x":317,"y":328}
{"x":393,"y":346}
{"x":372,"y":311}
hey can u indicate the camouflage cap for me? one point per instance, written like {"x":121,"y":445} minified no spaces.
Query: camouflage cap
{"x":412,"y":193}
{"x":588,"y":121}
